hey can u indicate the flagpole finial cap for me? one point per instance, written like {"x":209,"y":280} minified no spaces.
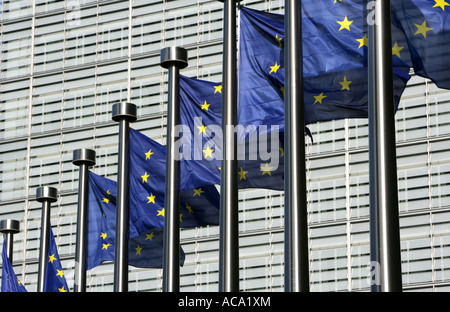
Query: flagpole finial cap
{"x":174,"y":56}
{"x":9,"y":226}
{"x":124,"y":110}
{"x":46,"y":193}
{"x":83,"y":156}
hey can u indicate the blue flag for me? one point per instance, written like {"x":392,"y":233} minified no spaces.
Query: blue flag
{"x":145,"y":249}
{"x":10,"y":282}
{"x":334,"y":36}
{"x":427,"y":28}
{"x":54,"y":280}
{"x":199,"y":206}
{"x":201,"y":119}
{"x":260,"y":154}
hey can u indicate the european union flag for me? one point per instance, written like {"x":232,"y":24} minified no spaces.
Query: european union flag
{"x":427,"y":28}
{"x":199,"y":206}
{"x":201,"y":119}
{"x":201,"y":114}
{"x":54,"y":280}
{"x":334,"y":37}
{"x":145,"y":250}
{"x":10,"y":282}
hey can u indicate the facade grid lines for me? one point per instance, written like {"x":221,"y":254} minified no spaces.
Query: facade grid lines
{"x":63,"y":65}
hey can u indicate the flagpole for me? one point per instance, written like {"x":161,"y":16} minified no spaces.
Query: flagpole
{"x":173,"y":59}
{"x":382,"y":141}
{"x":82,"y":158}
{"x":373,"y":197}
{"x":45,"y":195}
{"x":9,"y":227}
{"x":229,"y":200}
{"x":296,"y":266}
{"x":373,"y":200}
{"x":123,"y":113}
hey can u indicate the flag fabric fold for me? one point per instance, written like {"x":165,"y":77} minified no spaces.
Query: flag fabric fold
{"x":145,"y":248}
{"x":199,"y":205}
{"x":200,"y":113}
{"x":334,"y":38}
{"x":54,"y":280}
{"x":10,"y":282}
{"x":201,"y":119}
{"x":426,"y":25}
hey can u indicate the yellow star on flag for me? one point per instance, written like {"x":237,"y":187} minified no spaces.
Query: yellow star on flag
{"x":51,"y":258}
{"x":319,"y":98}
{"x":242,"y":174}
{"x":103,"y":235}
{"x":151,"y":198}
{"x":105,"y":200}
{"x":189,"y":208}
{"x":266,"y":169}
{"x":364,"y":41}
{"x":160,"y":212}
{"x":423,"y":29}
{"x":218,"y":89}
{"x":202,"y":129}
{"x":274,"y":68}
{"x":62,"y":289}
{"x":282,"y":151}
{"x":345,"y":84}
{"x":441,"y":3}
{"x":60,"y":273}
{"x":145,"y":177}
{"x":205,"y":106}
{"x":208,"y":152}
{"x":345,"y":24}
{"x":105,"y":246}
{"x":149,"y":236}
{"x":138,"y":250}
{"x":396,"y":49}
{"x":148,"y":154}
{"x":198,"y":192}
{"x":278,"y":39}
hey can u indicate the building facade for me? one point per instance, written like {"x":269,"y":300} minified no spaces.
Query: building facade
{"x":65,"y":63}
